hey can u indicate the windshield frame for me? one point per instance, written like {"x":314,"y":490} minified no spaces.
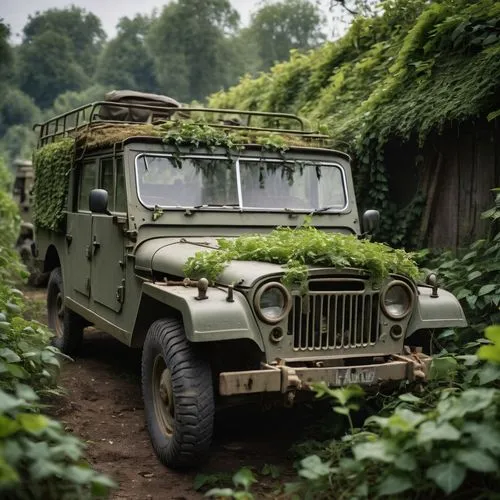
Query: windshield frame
{"x":241,"y":207}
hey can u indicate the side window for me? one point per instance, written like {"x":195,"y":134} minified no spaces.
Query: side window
{"x":121,"y":194}
{"x":107,"y":181}
{"x":86,"y":184}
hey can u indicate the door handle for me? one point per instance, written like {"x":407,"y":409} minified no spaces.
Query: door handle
{"x":95,"y":244}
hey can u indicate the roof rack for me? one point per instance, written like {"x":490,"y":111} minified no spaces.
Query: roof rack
{"x":103,"y":112}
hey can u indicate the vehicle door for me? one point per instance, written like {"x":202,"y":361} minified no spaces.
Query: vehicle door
{"x":108,"y":242}
{"x":79,"y":228}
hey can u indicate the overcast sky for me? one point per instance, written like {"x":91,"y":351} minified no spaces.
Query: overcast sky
{"x":15,"y":12}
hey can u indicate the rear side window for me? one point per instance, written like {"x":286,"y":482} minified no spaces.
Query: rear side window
{"x":86,"y":184}
{"x":107,"y":181}
{"x":121,"y":194}
{"x":112,"y":179}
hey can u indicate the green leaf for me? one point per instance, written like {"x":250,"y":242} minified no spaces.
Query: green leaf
{"x":32,"y":423}
{"x":406,"y":461}
{"x":220,"y":492}
{"x":26,"y":392}
{"x":8,"y":402}
{"x":394,"y":484}
{"x":17,"y":371}
{"x":101,"y":485}
{"x":381,"y":451}
{"x":244,"y":477}
{"x":313,"y":467}
{"x":494,"y":114}
{"x":443,"y":368}
{"x":408,"y":397}
{"x":430,"y":431}
{"x":485,"y":289}
{"x":477,"y":460}
{"x":8,"y":426}
{"x":448,"y":476}
{"x":9,"y":355}
{"x":79,"y":474}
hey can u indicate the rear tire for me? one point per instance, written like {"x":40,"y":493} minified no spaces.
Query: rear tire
{"x":67,"y":325}
{"x":178,"y":396}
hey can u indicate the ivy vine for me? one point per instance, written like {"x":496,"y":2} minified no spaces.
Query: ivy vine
{"x":301,"y":247}
{"x":53,"y":164}
{"x":411,"y":70}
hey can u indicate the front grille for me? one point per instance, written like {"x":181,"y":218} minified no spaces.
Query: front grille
{"x":334,"y":320}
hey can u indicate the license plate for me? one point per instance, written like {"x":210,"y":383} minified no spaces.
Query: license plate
{"x":354,"y":376}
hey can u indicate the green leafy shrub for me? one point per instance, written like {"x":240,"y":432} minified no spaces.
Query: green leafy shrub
{"x":38,"y":460}
{"x":473,"y":275}
{"x":446,"y":439}
{"x":298,"y":248}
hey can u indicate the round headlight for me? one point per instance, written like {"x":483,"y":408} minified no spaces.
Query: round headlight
{"x":272,"y":303}
{"x":397,"y":300}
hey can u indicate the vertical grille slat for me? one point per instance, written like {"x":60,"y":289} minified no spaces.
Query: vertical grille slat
{"x":325,"y":320}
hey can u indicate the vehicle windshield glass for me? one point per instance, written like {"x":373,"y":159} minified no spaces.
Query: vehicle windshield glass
{"x":190,"y":181}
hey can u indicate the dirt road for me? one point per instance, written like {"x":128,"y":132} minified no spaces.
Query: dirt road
{"x":103,"y":406}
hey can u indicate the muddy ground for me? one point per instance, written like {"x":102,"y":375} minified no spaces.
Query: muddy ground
{"x":103,"y":406}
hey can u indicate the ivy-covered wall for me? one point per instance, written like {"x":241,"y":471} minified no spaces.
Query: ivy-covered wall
{"x":419,"y":69}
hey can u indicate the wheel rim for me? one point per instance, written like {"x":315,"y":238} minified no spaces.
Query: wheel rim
{"x":163,"y":399}
{"x":59,"y":314}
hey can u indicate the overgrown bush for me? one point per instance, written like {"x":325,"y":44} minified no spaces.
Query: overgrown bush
{"x":38,"y":460}
{"x":415,"y":68}
{"x":473,"y":276}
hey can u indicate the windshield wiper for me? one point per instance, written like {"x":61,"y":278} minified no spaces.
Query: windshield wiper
{"x":217,"y":205}
{"x":322,"y":209}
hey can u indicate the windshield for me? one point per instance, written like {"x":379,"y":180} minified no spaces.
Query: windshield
{"x":190,"y":181}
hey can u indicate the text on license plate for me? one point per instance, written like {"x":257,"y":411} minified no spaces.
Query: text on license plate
{"x":354,"y":376}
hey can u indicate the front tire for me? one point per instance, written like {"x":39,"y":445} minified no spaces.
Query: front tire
{"x":178,"y":396}
{"x":67,"y":325}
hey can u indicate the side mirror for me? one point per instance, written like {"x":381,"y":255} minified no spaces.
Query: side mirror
{"x":371,"y":221}
{"x":98,"y":201}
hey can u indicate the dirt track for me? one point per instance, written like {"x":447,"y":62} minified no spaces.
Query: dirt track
{"x":103,"y":406}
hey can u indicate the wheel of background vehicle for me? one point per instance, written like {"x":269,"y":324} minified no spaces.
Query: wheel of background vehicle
{"x":178,"y":396}
{"x":67,"y":325}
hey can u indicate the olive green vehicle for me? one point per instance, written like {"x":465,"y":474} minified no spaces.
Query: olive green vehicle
{"x":138,"y":208}
{"x":21,"y":193}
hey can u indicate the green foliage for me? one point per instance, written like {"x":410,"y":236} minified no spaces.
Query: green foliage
{"x":415,"y":68}
{"x":473,"y":275}
{"x":298,"y":248}
{"x":446,"y":438}
{"x":52,"y":163}
{"x":38,"y":460}
{"x":242,"y":480}
{"x":194,"y":134}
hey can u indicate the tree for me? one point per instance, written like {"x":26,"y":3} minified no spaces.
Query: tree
{"x":290,"y":24}
{"x":48,"y":68}
{"x":126,"y":62}
{"x":17,"y":109}
{"x":191,"y":48}
{"x":83,"y":30}
{"x":6,"y":56}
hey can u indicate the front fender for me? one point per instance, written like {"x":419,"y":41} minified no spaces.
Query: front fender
{"x":211,"y":319}
{"x":443,"y":311}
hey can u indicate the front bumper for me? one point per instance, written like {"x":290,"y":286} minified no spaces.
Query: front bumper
{"x":283,"y":378}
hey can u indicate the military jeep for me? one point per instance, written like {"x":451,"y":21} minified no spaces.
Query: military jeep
{"x":136,"y":207}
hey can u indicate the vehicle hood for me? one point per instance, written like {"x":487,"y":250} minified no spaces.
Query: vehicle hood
{"x":169,"y":255}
